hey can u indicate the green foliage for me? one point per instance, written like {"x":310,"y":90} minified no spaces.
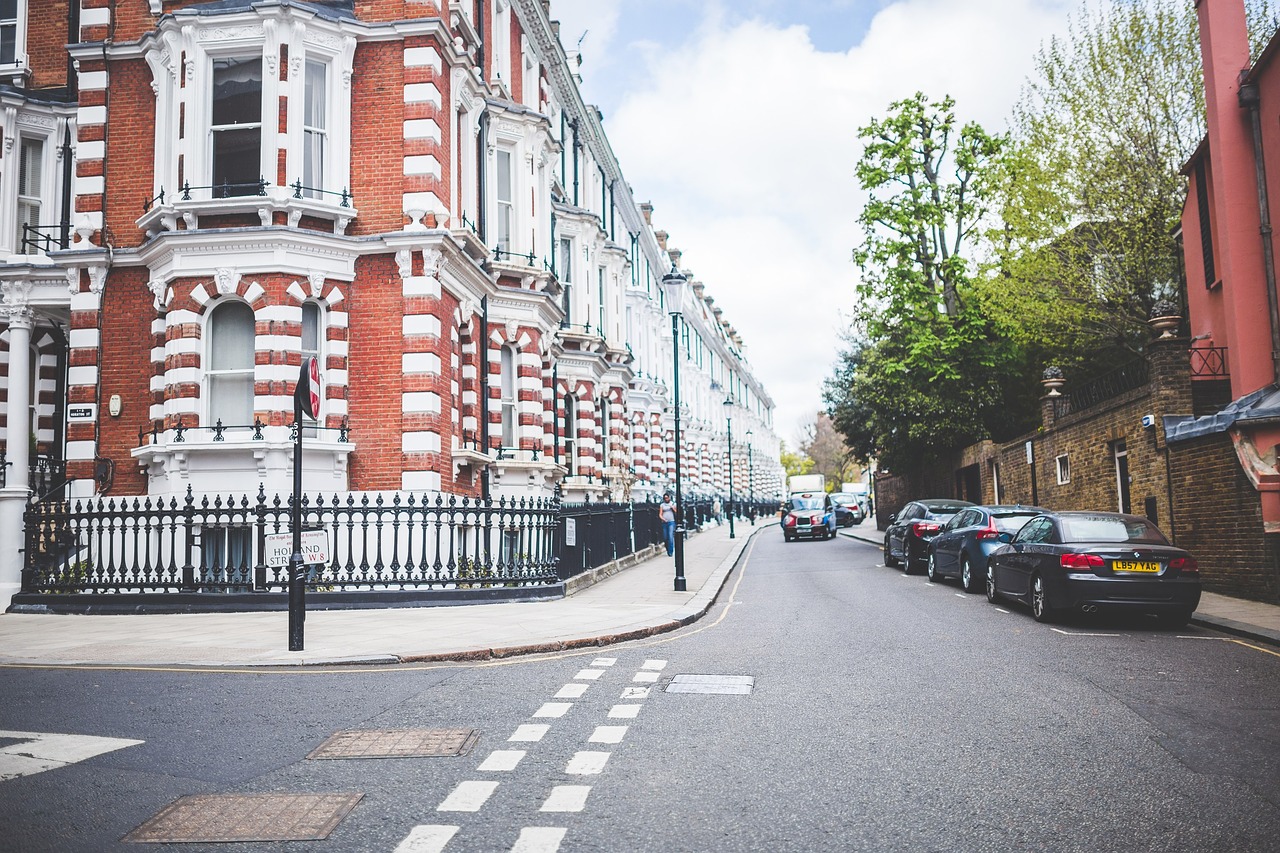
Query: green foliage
{"x":923,"y":372}
{"x":794,"y":463}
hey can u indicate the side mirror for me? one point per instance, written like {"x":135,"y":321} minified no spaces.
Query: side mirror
{"x":1006,"y":538}
{"x":893,"y":516}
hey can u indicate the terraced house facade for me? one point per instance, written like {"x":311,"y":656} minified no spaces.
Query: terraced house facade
{"x":195,"y":196}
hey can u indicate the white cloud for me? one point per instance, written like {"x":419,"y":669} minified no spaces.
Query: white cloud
{"x":745,"y":139}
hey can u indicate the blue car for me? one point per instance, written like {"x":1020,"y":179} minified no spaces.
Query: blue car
{"x":964,"y":545}
{"x":808,"y":515}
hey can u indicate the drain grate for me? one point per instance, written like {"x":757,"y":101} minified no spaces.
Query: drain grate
{"x":397,"y":743}
{"x":733,"y":685}
{"x":203,"y":818}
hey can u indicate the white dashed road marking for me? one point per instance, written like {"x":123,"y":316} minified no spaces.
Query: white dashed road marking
{"x":468,"y":797}
{"x":586,"y":763}
{"x":607,"y":734}
{"x":960,"y":595}
{"x":624,"y":712}
{"x":567,"y":798}
{"x":589,"y":674}
{"x":539,"y":839}
{"x":529,"y":732}
{"x":40,"y":751}
{"x":635,"y":693}
{"x":654,"y":664}
{"x":1001,"y":610}
{"x":604,"y":661}
{"x":645,"y":677}
{"x":553,"y":709}
{"x":429,"y":838}
{"x":1081,"y":633}
{"x":572,"y":691}
{"x":501,"y":760}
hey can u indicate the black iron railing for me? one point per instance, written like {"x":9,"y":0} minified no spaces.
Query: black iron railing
{"x":1126,"y":377}
{"x":218,"y":544}
{"x":44,"y":238}
{"x":594,"y":534}
{"x":45,"y":474}
{"x":345,"y":198}
{"x":219,"y":431}
{"x":1209,"y":362}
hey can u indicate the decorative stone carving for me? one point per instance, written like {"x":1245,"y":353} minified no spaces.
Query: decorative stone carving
{"x":1052,"y":380}
{"x":316,"y":280}
{"x":97,"y":279}
{"x":432,"y":262}
{"x":73,"y":279}
{"x":157,"y":288}
{"x":226,"y":280}
{"x":511,"y":328}
{"x":1165,"y":318}
{"x":404,"y":262}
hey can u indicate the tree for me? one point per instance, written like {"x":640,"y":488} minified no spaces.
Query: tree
{"x":793,"y":463}
{"x":831,"y":457}
{"x":922,"y":374}
{"x":1091,"y":189}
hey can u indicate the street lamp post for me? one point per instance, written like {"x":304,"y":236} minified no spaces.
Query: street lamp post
{"x":751,"y":479}
{"x":728,"y":417}
{"x":673,"y":286}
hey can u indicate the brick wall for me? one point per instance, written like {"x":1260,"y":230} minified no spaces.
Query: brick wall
{"x":1219,"y":519}
{"x":376,"y":384}
{"x":127,"y":314}
{"x":46,"y":42}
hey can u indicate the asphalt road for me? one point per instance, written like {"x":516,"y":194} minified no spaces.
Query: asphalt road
{"x":885,"y":713}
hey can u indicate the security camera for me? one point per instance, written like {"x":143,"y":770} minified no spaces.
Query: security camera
{"x":1148,"y":421}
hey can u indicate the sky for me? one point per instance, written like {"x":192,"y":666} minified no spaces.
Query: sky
{"x":738,"y":120}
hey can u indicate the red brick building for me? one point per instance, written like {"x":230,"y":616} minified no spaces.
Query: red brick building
{"x":195,"y":196}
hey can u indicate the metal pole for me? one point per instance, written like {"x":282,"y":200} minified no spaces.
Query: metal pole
{"x":729,"y":421}
{"x":297,"y":588}
{"x":751,"y":481}
{"x":675,"y":384}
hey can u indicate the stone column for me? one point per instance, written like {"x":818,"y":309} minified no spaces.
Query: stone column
{"x":13,"y":497}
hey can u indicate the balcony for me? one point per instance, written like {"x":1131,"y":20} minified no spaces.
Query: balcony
{"x":260,"y":199}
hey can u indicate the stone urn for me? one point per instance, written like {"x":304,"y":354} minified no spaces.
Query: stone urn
{"x":1052,"y":380}
{"x":1165,"y":318}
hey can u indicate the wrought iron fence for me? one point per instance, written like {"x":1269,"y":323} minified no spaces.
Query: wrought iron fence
{"x":593,"y":534}
{"x":218,"y":544}
{"x":1126,"y":377}
{"x":45,"y":474}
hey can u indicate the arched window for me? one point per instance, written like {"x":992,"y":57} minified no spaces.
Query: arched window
{"x":229,"y":356}
{"x":508,"y":377}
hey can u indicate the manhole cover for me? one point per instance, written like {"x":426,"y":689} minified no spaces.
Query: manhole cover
{"x":397,"y":743}
{"x":246,"y":817}
{"x":737,"y":685}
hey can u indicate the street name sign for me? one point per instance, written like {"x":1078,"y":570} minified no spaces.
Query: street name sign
{"x":279,"y":548}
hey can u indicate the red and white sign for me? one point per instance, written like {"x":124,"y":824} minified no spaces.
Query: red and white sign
{"x":308,"y":392}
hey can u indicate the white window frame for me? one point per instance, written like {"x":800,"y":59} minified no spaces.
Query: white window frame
{"x":1062,"y":465}
{"x":36,"y":199}
{"x":18,"y":66}
{"x":509,"y":385}
{"x":313,"y":176}
{"x":501,"y":58}
{"x":317,"y":350}
{"x":504,"y":209}
{"x":208,"y":167}
{"x":212,"y":375}
{"x":569,"y":443}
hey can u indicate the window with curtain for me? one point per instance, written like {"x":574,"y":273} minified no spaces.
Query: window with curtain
{"x":571,"y":434}
{"x":508,"y":377}
{"x":314,"y":123}
{"x":236,"y":126}
{"x":30,"y":189}
{"x":230,"y":356}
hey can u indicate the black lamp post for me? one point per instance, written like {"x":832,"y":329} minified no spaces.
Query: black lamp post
{"x":673,"y":286}
{"x":728,"y":418}
{"x":751,"y":479}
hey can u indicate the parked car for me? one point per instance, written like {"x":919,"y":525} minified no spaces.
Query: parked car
{"x":961,"y":548}
{"x":848,"y":509}
{"x":1094,"y":561}
{"x":808,"y":515}
{"x":906,"y":540}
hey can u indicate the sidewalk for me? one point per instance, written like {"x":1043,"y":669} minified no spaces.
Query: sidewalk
{"x":637,"y":602}
{"x":1253,"y":620}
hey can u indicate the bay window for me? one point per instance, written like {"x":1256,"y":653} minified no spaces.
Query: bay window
{"x":230,"y":359}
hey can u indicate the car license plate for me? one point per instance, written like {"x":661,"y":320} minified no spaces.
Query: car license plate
{"x":1135,"y":566}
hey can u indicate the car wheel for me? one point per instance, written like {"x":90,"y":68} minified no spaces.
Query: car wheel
{"x":889,"y":560}
{"x":931,"y":569}
{"x":1041,"y":609}
{"x":907,"y":567}
{"x":992,"y":595}
{"x":966,"y":575}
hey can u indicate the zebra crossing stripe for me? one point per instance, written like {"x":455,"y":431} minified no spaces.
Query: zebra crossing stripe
{"x":428,"y":838}
{"x":40,"y":751}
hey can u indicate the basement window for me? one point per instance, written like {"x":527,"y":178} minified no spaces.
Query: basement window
{"x":1064,"y":470}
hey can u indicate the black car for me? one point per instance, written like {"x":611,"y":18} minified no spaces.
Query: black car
{"x":1093,"y":561}
{"x":906,"y":540}
{"x":848,"y":509}
{"x":961,"y":548}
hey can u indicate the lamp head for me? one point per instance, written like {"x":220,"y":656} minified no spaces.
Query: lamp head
{"x":673,"y":288}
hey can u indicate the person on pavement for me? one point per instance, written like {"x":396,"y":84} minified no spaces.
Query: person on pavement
{"x":667,"y":515}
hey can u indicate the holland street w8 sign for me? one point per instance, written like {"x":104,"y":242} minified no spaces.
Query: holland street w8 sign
{"x":279,"y":548}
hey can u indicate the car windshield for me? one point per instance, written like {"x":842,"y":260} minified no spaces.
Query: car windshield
{"x":1110,"y":528}
{"x":1011,"y":522}
{"x":806,"y":502}
{"x":842,"y":498}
